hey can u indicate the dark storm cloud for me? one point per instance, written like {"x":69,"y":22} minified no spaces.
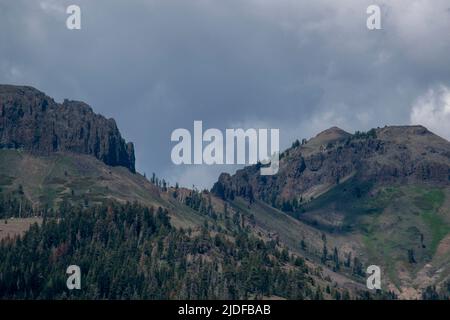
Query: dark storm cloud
{"x":300,"y":66}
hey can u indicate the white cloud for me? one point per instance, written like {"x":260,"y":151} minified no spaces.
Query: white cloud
{"x":52,"y":7}
{"x":432,"y":110}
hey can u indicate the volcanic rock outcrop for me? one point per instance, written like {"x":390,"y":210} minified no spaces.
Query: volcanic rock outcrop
{"x":32,"y":121}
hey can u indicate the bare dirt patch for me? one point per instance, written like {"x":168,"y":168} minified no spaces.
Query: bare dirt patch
{"x":16,"y":226}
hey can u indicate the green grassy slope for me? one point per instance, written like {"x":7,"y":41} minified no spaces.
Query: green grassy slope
{"x":83,"y":180}
{"x":405,"y":229}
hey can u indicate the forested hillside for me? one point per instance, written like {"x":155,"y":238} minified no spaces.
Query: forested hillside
{"x":133,"y":252}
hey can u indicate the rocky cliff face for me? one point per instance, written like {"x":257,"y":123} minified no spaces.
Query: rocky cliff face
{"x":35,"y":122}
{"x":402,"y":154}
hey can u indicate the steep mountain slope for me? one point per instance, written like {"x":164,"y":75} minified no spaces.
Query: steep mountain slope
{"x":382,"y":196}
{"x":55,"y":152}
{"x":78,"y":179}
{"x":204,"y":234}
{"x":77,"y":185}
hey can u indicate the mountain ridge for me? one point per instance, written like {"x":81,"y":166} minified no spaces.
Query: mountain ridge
{"x":389,"y":154}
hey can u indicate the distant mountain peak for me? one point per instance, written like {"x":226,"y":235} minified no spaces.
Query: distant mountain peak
{"x":329,"y":135}
{"x":403,"y":130}
{"x":389,"y":155}
{"x":31,"y":120}
{"x":333,"y":131}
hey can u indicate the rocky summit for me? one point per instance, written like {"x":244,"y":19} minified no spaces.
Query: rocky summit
{"x":393,"y":154}
{"x":35,"y":122}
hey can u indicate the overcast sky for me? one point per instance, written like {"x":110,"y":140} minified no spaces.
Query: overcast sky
{"x":300,"y":66}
